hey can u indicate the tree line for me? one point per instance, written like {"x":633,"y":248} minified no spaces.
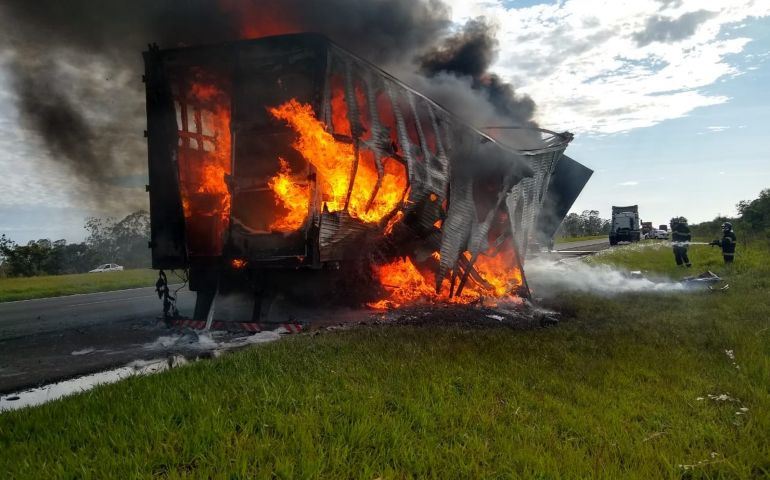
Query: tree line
{"x":109,"y":241}
{"x":585,"y":224}
{"x":753,"y":220}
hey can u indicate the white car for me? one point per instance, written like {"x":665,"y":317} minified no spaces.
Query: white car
{"x":658,"y":234}
{"x":107,"y":267}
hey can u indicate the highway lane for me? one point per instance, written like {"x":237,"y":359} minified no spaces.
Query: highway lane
{"x":587,"y":245}
{"x":49,"y":339}
{"x":44,"y":315}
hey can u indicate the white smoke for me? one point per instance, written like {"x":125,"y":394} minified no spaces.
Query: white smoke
{"x":548,"y":277}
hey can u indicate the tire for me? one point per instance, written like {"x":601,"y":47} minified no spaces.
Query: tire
{"x":613,"y":240}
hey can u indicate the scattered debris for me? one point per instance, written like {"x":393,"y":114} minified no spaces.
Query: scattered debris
{"x":723,"y":397}
{"x":707,"y":277}
{"x":84,"y":351}
{"x":713,"y":459}
{"x":522,"y":315}
{"x":731,"y":355}
{"x":652,"y":436}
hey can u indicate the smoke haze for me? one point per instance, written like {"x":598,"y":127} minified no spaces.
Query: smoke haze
{"x":548,"y":277}
{"x":76,"y":66}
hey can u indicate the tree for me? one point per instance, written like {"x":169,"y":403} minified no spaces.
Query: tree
{"x":755,"y":214}
{"x":109,"y":241}
{"x":572,"y":226}
{"x":28,"y":260}
{"x":587,"y":223}
{"x":592,"y":223}
{"x":123,"y":242}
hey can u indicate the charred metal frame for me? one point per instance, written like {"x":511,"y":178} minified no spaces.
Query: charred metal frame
{"x":445,"y":160}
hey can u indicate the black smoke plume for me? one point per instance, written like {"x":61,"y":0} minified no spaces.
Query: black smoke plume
{"x":469,"y":54}
{"x":76,"y":66}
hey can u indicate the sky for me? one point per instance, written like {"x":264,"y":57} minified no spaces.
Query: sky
{"x":667,"y":100}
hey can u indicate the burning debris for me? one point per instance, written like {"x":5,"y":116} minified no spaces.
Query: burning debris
{"x":288,"y":166}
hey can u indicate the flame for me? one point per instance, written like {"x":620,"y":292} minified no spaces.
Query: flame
{"x":292,"y":197}
{"x":334,"y":162}
{"x":501,"y":272}
{"x":204,"y":160}
{"x":238,"y":263}
{"x":260,"y":21}
{"x":340,"y":122}
{"x":393,"y":221}
{"x":388,"y":196}
{"x":406,"y":284}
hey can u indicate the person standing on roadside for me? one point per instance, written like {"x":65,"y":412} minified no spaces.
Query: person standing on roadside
{"x":727,"y":243}
{"x":680,"y":240}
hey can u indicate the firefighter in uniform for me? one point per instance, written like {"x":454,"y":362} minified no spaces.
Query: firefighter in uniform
{"x":680,"y":240}
{"x":727,"y":243}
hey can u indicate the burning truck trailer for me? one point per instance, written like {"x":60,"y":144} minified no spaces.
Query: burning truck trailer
{"x":287,"y":166}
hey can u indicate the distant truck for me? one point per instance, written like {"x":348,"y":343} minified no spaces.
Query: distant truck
{"x":646,"y":228}
{"x":625,"y":225}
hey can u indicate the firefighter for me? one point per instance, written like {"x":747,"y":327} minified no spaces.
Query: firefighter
{"x":727,"y":243}
{"x":680,"y":240}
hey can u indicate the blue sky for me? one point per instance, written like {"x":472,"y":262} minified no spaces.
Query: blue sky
{"x":699,"y":165}
{"x":667,"y":100}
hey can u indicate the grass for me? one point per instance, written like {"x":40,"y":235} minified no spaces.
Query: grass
{"x":620,"y":389}
{"x":25,"y":288}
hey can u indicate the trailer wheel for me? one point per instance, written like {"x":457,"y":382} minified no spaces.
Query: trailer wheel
{"x":613,"y":240}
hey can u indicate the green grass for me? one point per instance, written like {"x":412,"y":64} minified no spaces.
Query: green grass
{"x":25,"y":288}
{"x":612,"y":392}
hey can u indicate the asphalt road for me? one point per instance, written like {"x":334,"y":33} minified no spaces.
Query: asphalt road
{"x":586,"y":245}
{"x":29,"y":317}
{"x":50,"y":339}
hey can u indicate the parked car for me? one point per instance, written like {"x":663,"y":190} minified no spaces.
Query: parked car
{"x":107,"y":267}
{"x":657,"y":234}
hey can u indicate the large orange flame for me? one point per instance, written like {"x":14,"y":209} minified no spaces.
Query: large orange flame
{"x":501,"y":272}
{"x":334,"y":162}
{"x":406,"y":284}
{"x":291,"y":196}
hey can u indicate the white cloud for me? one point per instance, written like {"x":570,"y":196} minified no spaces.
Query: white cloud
{"x":630,"y":183}
{"x":612,"y":66}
